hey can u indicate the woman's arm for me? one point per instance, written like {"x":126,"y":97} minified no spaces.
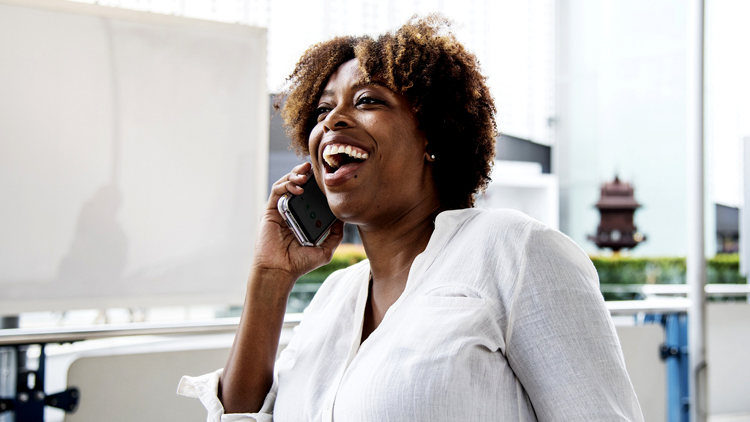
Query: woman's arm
{"x":561,"y":342}
{"x":248,"y":374}
{"x":278,"y":262}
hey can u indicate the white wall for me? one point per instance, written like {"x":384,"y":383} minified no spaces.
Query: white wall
{"x":727,"y":92}
{"x":727,"y":345}
{"x":523,"y":187}
{"x":640,"y":346}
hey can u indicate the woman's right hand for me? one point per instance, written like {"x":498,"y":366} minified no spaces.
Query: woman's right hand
{"x":278,"y":262}
{"x":276,"y":248}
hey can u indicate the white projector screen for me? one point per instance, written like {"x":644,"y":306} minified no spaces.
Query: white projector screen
{"x":133,"y":157}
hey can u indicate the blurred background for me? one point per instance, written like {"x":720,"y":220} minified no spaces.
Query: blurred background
{"x":138,"y":145}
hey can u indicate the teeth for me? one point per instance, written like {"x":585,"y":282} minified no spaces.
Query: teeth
{"x":332,"y":161}
{"x":330,"y":152}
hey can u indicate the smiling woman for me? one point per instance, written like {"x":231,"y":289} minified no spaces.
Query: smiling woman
{"x":372,"y":121}
{"x":458,"y":313}
{"x":435,"y":78}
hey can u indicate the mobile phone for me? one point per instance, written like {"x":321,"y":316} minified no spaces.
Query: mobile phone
{"x":307,"y":215}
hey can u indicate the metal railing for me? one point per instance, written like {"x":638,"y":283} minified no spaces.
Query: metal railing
{"x":656,"y":302}
{"x":99,"y":331}
{"x":676,"y":289}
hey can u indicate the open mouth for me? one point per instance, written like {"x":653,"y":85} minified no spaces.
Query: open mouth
{"x":338,"y":156}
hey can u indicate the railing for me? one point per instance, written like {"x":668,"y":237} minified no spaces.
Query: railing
{"x":676,"y":289}
{"x":17,"y":336}
{"x":655,"y":303}
{"x":89,"y":332}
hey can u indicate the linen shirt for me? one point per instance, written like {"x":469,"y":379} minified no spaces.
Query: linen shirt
{"x":501,"y":319}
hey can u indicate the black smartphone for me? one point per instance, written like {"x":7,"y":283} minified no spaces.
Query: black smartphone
{"x":308,"y":215}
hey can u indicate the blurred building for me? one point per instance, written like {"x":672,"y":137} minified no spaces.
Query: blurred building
{"x":621,"y":84}
{"x":727,"y":229}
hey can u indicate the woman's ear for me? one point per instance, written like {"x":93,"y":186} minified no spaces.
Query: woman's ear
{"x":428,"y":154}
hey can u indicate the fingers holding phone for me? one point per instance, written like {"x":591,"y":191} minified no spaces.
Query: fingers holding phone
{"x":292,"y":183}
{"x":297,"y":216}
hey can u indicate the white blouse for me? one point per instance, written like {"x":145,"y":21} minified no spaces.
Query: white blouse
{"x":501,"y":320}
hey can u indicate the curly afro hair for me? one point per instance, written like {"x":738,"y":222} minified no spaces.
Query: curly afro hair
{"x":425,"y":63}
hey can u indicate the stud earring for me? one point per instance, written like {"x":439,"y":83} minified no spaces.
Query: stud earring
{"x":432,"y":157}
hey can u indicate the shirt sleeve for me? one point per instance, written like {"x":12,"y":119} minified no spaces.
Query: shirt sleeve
{"x":561,"y":342}
{"x":206,"y":387}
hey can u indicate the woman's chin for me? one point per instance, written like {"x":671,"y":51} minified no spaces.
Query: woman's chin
{"x":346,"y":208}
{"x":345,"y":214}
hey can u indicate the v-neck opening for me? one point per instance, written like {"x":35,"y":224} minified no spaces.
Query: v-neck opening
{"x":368,"y":303}
{"x":444,"y":223}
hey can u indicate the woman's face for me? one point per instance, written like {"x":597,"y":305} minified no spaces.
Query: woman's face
{"x":367,"y":152}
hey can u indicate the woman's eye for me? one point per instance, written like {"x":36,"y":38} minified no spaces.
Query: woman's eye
{"x":321,"y":111}
{"x":368,"y":101}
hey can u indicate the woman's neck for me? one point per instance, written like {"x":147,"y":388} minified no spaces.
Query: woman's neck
{"x":391,"y":254}
{"x":391,"y":251}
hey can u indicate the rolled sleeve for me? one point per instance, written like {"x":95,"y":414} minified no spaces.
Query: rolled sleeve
{"x":206,"y":387}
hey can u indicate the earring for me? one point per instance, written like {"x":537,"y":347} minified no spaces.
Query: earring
{"x":430,"y":156}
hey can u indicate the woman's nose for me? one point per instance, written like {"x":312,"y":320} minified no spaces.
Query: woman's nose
{"x":337,"y":119}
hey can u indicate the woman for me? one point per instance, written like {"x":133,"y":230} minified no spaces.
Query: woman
{"x":458,"y":313}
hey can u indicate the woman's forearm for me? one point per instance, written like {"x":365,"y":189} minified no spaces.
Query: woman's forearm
{"x":248,"y":374}
{"x":279,"y":260}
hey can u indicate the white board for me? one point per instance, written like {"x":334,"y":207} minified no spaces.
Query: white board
{"x":133,"y":157}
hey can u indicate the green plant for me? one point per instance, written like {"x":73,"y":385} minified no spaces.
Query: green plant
{"x":627,"y":270}
{"x":721,"y":269}
{"x":344,"y":256}
{"x":725,"y":269}
{"x":664,"y":270}
{"x":305,"y":288}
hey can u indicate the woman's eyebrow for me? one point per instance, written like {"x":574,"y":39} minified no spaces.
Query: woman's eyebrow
{"x":357,"y":86}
